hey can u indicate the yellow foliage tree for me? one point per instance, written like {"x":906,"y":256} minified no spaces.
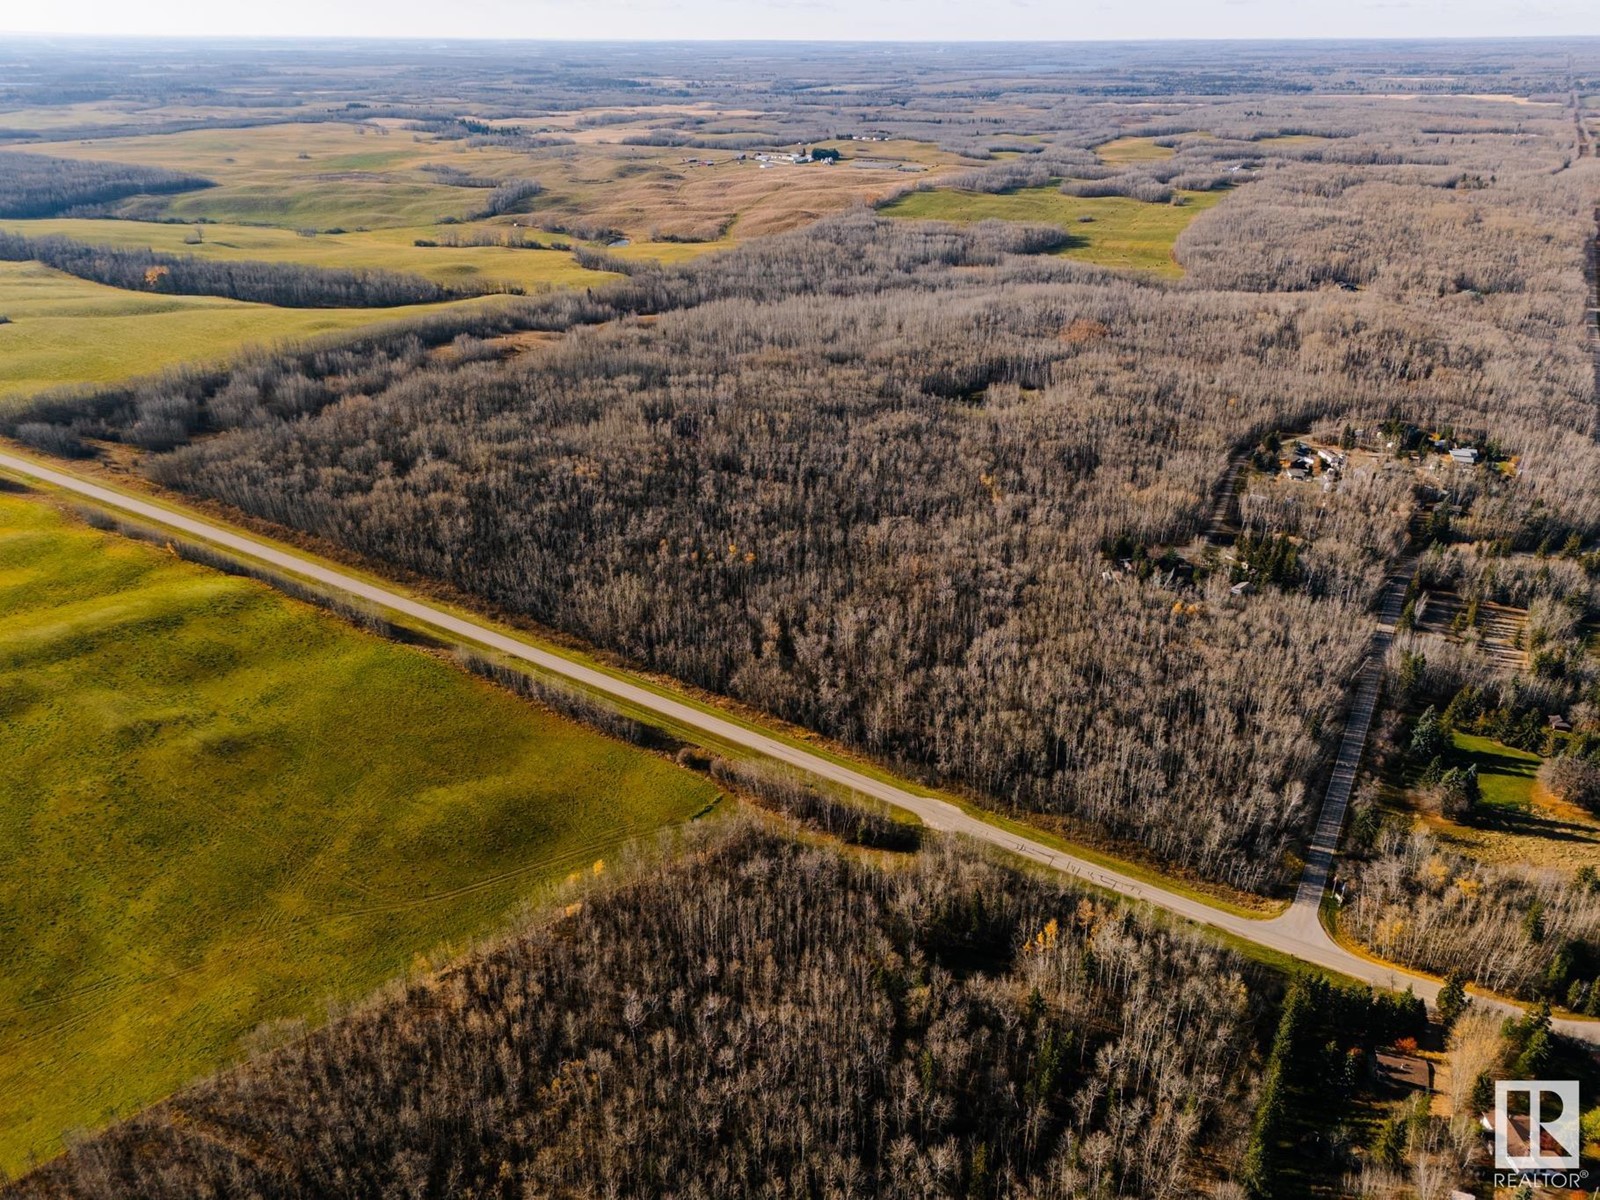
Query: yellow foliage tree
{"x":1045,"y":939}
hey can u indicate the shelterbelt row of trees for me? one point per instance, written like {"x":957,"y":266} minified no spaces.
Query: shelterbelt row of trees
{"x":41,"y":185}
{"x":288,"y":285}
{"x":760,"y":1017}
{"x":880,"y":477}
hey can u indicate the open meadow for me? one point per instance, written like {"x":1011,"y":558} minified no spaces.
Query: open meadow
{"x":220,"y":809}
{"x":1517,"y":820}
{"x":61,"y":330}
{"x":389,"y":249}
{"x":1113,"y":231}
{"x":1133,"y":150}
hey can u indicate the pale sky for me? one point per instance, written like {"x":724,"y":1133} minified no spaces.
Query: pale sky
{"x":819,"y":20}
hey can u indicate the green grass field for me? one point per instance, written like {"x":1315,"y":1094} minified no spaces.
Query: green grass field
{"x":1132,"y":150}
{"x":64,"y":330}
{"x":1119,"y":232}
{"x":1505,"y":774}
{"x":220,"y":808}
{"x":381,"y":249}
{"x":1517,"y":822}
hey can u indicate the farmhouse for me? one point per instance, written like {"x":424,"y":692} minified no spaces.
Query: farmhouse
{"x":1302,"y":465}
{"x":1467,"y":456}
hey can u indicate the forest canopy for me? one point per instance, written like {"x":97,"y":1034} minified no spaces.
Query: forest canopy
{"x":978,"y":504}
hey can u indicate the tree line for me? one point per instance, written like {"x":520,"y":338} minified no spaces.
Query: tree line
{"x":40,"y":185}
{"x":287,"y":285}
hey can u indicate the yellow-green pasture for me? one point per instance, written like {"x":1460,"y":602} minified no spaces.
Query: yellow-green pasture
{"x":298,"y":176}
{"x":1132,"y":150}
{"x":62,"y":330}
{"x":220,"y":808}
{"x":1114,"y":231}
{"x":392,"y":249}
{"x":669,"y":252}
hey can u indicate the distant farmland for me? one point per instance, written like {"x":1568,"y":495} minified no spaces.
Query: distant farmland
{"x":220,"y":808}
{"x":358,"y":195}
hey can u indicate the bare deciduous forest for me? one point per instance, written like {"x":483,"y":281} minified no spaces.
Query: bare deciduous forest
{"x":1526,"y":933}
{"x":39,"y":185}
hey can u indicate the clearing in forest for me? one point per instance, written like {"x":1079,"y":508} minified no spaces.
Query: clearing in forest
{"x":1517,"y":820}
{"x":1113,"y":231}
{"x":221,"y":808}
{"x":1132,"y":150}
{"x":1505,"y":774}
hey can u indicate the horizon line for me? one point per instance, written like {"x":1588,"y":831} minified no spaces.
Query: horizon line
{"x":488,"y":39}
